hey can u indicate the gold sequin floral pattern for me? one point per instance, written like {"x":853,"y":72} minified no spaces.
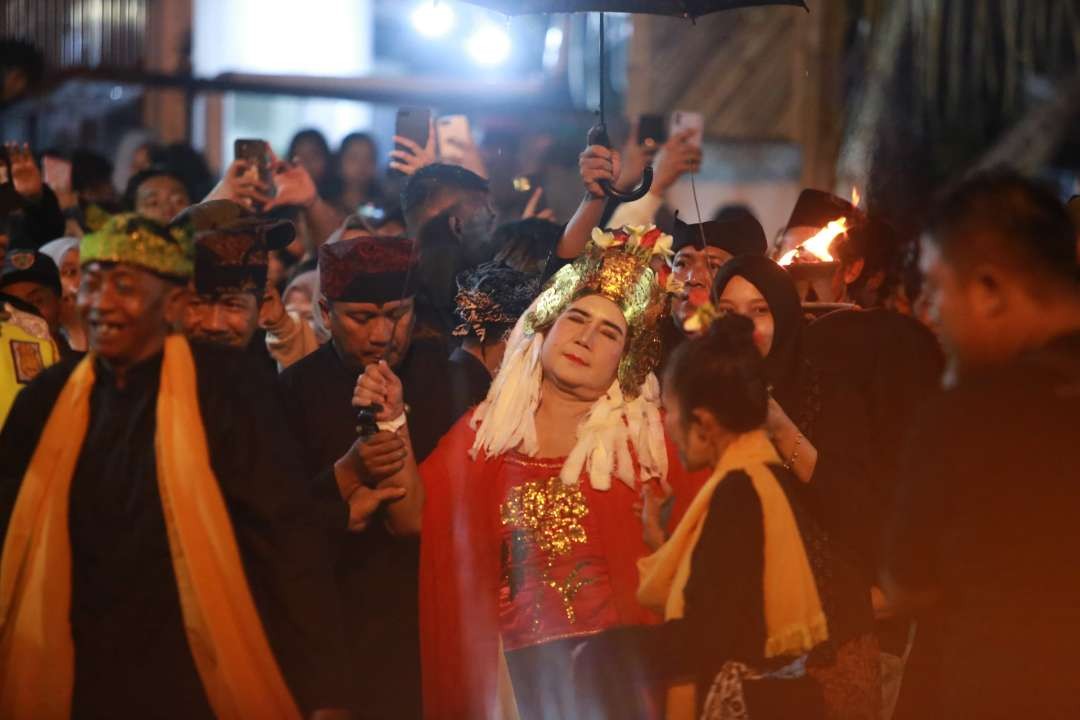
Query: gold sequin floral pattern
{"x":551,"y":513}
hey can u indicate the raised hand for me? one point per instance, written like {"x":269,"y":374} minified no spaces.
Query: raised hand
{"x":25,"y":174}
{"x":533,"y":204}
{"x":413,"y":157}
{"x":598,"y":164}
{"x":241,"y":184}
{"x":678,"y":157}
{"x":293,"y":184}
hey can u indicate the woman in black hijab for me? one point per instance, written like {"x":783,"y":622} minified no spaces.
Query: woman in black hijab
{"x":814,"y":422}
{"x":813,"y":413}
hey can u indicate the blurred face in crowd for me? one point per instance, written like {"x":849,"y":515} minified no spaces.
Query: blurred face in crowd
{"x":358,"y":163}
{"x":128,"y":311}
{"x":364,"y":333}
{"x":312,"y":157}
{"x":961,"y":311}
{"x":41,"y":297}
{"x":685,"y":430}
{"x":742,"y":297}
{"x":140,"y":159}
{"x":161,"y":198}
{"x":582,"y":349}
{"x":298,"y":300}
{"x":695,"y":269}
{"x":70,"y":276}
{"x":102,"y":193}
{"x":229,"y":319}
{"x":472,"y":221}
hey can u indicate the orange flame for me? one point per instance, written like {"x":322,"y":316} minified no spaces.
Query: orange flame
{"x":816,"y":248}
{"x":855,"y":196}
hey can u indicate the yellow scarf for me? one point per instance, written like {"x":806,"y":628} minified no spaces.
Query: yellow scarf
{"x":794,"y":619}
{"x":37,"y":655}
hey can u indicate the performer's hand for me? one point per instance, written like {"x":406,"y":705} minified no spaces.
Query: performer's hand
{"x":652,"y":507}
{"x":364,"y":502}
{"x":380,"y":386}
{"x":597,"y":164}
{"x":25,"y":174}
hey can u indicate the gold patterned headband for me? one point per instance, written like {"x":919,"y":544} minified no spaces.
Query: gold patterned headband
{"x":136,"y":240}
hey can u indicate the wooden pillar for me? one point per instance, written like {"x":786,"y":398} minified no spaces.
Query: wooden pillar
{"x":168,"y":33}
{"x":818,"y":103}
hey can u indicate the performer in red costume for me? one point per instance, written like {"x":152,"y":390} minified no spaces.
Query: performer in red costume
{"x":531,"y":528}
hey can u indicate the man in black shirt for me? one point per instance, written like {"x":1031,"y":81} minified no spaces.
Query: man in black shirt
{"x":984,"y":535}
{"x":137,"y":613}
{"x":369,"y":285}
{"x":450,"y":215}
{"x":232,"y":251}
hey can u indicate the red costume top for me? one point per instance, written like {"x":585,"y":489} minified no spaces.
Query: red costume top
{"x":507,"y":551}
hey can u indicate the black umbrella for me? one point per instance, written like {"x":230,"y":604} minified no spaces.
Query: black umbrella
{"x":680,"y":8}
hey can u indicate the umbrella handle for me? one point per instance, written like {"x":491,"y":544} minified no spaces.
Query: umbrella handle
{"x":598,"y":136}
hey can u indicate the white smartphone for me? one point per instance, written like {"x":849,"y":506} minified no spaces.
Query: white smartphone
{"x":452,"y":132}
{"x":683,"y":120}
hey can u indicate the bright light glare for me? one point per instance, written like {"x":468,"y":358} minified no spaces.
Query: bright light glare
{"x":552,"y":45}
{"x":433,"y":18}
{"x":489,"y":45}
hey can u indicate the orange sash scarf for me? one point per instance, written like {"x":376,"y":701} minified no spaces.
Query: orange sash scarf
{"x":37,"y":655}
{"x":794,"y":619}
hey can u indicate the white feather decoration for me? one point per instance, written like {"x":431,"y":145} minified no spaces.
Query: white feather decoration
{"x":505,"y":421}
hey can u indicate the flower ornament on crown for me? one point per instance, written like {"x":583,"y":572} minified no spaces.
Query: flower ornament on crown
{"x":646,"y":241}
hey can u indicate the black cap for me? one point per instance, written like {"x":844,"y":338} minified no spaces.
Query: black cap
{"x":234,"y":217}
{"x":232,"y":246}
{"x":817,"y":208}
{"x":21,"y":265}
{"x":739,"y":235}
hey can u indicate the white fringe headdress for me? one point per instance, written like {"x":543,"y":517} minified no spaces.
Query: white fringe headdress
{"x":625,"y":423}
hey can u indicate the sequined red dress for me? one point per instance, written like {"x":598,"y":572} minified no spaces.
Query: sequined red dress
{"x":512,"y":559}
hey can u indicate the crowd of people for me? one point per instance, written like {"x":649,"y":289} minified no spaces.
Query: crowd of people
{"x":329,"y":444}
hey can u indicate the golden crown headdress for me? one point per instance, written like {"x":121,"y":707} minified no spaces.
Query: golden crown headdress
{"x":618,"y":265}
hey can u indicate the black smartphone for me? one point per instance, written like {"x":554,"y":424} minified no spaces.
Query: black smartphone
{"x":256,"y":152}
{"x":413,"y":123}
{"x":652,"y":127}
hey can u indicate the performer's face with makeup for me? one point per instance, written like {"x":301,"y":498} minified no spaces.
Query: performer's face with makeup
{"x":583,"y":348}
{"x":128,"y":311}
